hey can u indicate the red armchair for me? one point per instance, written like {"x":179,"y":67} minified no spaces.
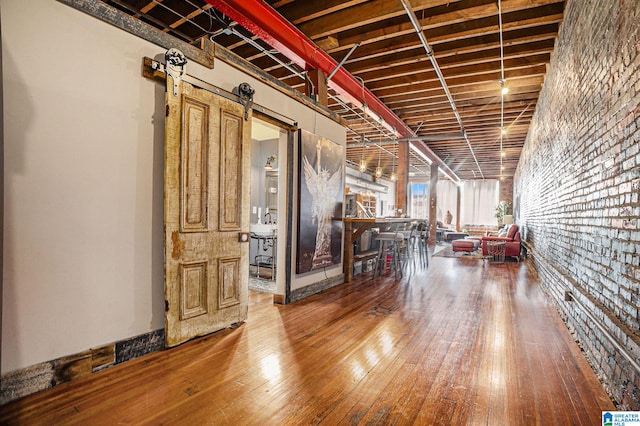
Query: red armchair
{"x":512,"y":242}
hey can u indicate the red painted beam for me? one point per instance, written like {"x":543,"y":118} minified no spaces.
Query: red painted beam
{"x":264,"y":22}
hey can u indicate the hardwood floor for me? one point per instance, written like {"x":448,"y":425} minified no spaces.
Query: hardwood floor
{"x":464,"y":342}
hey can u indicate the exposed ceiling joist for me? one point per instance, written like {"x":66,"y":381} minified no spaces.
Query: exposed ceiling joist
{"x":463,"y":34}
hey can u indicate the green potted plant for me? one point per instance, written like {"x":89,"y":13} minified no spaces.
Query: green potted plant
{"x":501,"y":209}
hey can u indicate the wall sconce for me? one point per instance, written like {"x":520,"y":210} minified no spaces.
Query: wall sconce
{"x":270,"y":160}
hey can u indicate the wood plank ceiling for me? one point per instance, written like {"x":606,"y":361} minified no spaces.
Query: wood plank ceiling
{"x":465,"y":36}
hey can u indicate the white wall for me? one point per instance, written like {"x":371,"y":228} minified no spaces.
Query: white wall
{"x":388,"y":198}
{"x":83,"y":183}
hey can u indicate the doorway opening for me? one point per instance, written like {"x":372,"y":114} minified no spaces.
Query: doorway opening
{"x":268,"y":207}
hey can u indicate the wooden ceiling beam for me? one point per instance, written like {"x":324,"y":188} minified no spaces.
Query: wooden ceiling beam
{"x":382,"y":51}
{"x":392,"y":90}
{"x":471,"y":54}
{"x":464,"y":37}
{"x":428,"y":123}
{"x":417,"y":73}
{"x":484,"y":30}
{"x":474,"y":106}
{"x":436,"y":12}
{"x":440,"y":124}
{"x":418,"y":87}
{"x":422,"y":72}
{"x":482,"y":89}
{"x":301,"y":12}
{"x":465,"y":99}
{"x":409,"y":110}
{"x":363,"y":14}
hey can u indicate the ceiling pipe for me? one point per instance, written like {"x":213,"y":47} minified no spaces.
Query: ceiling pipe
{"x":264,"y":22}
{"x":349,"y":53}
{"x":421,"y":146}
{"x":450,"y":136}
{"x":425,"y":44}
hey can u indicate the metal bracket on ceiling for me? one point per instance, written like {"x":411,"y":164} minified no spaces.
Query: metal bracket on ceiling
{"x":176,"y":67}
{"x":245,"y":92}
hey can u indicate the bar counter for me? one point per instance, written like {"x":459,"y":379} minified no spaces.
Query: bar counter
{"x":354,"y":227}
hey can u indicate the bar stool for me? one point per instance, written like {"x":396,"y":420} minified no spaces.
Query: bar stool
{"x":411,"y":244}
{"x":422,"y":241}
{"x":389,"y":244}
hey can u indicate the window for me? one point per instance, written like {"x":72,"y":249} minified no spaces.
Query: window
{"x":419,"y":200}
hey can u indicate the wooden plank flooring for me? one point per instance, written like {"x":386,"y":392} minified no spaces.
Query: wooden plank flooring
{"x":464,"y":342}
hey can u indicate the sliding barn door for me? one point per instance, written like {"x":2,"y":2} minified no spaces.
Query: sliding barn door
{"x":206,"y":207}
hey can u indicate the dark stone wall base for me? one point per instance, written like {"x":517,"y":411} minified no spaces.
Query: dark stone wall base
{"x":129,"y":349}
{"x":36,"y":378}
{"x":307,"y":291}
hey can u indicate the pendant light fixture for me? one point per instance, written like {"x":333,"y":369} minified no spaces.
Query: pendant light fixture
{"x":379,"y":169}
{"x":393,"y":173}
{"x":503,"y":90}
{"x":363,"y":163}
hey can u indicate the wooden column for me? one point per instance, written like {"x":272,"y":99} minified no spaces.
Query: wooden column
{"x":403,"y":177}
{"x":319,"y":81}
{"x":433,"y":201}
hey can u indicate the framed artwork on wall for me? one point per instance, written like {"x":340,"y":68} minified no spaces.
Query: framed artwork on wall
{"x":320,"y":198}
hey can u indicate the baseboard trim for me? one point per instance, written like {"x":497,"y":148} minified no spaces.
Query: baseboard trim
{"x":26,"y":381}
{"x":301,"y":293}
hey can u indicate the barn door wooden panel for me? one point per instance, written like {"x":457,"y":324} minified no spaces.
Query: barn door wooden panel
{"x":206,"y":206}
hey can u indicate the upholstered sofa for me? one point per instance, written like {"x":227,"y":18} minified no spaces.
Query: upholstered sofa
{"x":511,"y":240}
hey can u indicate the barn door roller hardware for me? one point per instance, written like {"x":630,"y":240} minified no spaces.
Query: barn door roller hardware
{"x":176,"y":67}
{"x":157,"y":71}
{"x":245,"y":92}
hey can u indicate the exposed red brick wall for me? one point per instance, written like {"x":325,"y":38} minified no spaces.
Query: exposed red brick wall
{"x":506,"y":190}
{"x":577,"y":186}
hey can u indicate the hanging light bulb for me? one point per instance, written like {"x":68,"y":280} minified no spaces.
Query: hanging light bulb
{"x":379,"y":169}
{"x":393,"y":176}
{"x":363,"y":163}
{"x":504,"y":89}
